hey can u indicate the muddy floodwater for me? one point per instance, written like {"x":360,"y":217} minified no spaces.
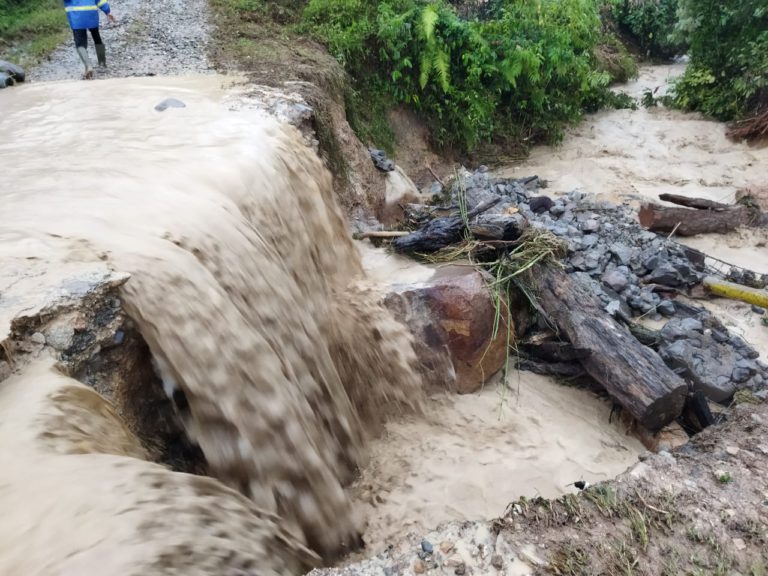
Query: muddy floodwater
{"x":634,"y":155}
{"x":262,"y":312}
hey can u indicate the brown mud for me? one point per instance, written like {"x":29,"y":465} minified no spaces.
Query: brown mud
{"x":244,"y":280}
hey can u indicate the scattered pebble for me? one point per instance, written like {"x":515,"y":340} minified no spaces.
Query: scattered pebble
{"x":758,"y":310}
{"x":497,"y":561}
{"x":37,"y":338}
{"x":169,"y":103}
{"x":739,"y":544}
{"x":419,"y":567}
{"x":732,"y":450}
{"x":427,"y":547}
{"x":461,"y":569}
{"x":446,"y":547}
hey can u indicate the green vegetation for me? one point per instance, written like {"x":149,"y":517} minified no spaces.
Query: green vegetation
{"x":30,"y":29}
{"x":725,"y":478}
{"x":650,"y":23}
{"x":728,"y":74}
{"x":519,"y":74}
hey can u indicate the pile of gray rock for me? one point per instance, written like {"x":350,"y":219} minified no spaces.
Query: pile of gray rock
{"x":716,"y":362}
{"x":604,"y":241}
{"x":631,"y":270}
{"x":10,"y":74}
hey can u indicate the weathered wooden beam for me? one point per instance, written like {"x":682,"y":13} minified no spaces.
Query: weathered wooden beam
{"x":689,"y":222}
{"x":633,"y":374}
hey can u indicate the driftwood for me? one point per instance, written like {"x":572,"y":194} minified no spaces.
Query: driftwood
{"x":552,"y":351}
{"x":568,"y":370}
{"x":380,"y":234}
{"x":698,"y":203}
{"x":442,"y":232}
{"x":634,"y":375}
{"x":699,"y":216}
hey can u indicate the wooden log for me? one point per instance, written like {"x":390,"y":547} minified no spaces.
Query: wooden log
{"x":551,"y":351}
{"x":560,"y":369}
{"x":442,"y":232}
{"x":497,"y":226}
{"x":698,"y":203}
{"x":380,"y":234}
{"x":633,"y":374}
{"x":688,"y":222}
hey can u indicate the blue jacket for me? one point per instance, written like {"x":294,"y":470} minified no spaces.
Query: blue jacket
{"x":83,"y":14}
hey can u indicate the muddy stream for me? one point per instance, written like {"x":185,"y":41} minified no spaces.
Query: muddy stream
{"x":260,"y":309}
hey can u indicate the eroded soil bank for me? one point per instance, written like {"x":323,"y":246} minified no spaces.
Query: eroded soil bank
{"x":244,"y":282}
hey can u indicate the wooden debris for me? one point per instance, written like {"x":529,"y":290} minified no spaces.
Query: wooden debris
{"x":442,"y":232}
{"x":380,"y":234}
{"x":699,"y":216}
{"x":634,"y":375}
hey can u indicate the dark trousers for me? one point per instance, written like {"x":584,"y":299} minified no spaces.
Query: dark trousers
{"x":81,"y":37}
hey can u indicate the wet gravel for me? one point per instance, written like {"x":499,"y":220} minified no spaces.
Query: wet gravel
{"x":150,"y":39}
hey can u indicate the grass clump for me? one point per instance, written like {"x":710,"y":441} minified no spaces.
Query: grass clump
{"x":31,"y":29}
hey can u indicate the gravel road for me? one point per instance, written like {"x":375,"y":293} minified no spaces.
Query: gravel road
{"x":150,"y":38}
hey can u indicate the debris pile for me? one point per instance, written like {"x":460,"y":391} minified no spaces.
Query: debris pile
{"x":614,"y":274}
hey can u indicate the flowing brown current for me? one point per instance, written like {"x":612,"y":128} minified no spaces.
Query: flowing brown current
{"x":247,"y":288}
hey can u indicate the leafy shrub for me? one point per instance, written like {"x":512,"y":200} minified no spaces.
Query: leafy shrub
{"x":518,"y":75}
{"x":728,"y":73}
{"x":651,"y":23}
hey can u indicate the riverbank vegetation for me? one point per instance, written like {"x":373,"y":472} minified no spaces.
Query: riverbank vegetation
{"x":503,"y":71}
{"x":727,"y":77}
{"x":30,"y":29}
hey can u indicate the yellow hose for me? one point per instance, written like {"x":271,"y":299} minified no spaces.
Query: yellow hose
{"x":736,"y":291}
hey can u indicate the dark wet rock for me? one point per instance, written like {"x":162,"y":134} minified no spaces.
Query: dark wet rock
{"x":590,"y":226}
{"x":758,"y":310}
{"x":622,"y":253}
{"x":616,"y":280}
{"x":665,"y":274}
{"x":720,"y":337}
{"x":15,"y":72}
{"x":169,"y":103}
{"x":540,"y":204}
{"x":701,"y":351}
{"x":666,"y":308}
{"x":427,"y":547}
{"x":557,"y":209}
{"x":5,"y":80}
{"x":380,"y":160}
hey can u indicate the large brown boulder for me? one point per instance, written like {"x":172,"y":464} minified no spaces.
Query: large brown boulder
{"x":452,"y":317}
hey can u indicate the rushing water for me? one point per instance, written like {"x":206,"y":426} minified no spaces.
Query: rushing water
{"x":243,"y":282}
{"x":252,"y":297}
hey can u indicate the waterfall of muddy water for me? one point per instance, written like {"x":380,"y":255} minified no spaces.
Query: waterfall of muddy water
{"x":244,"y":280}
{"x":635,"y":155}
{"x":467,"y":457}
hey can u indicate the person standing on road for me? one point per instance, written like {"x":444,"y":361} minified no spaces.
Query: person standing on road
{"x":83,"y":15}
